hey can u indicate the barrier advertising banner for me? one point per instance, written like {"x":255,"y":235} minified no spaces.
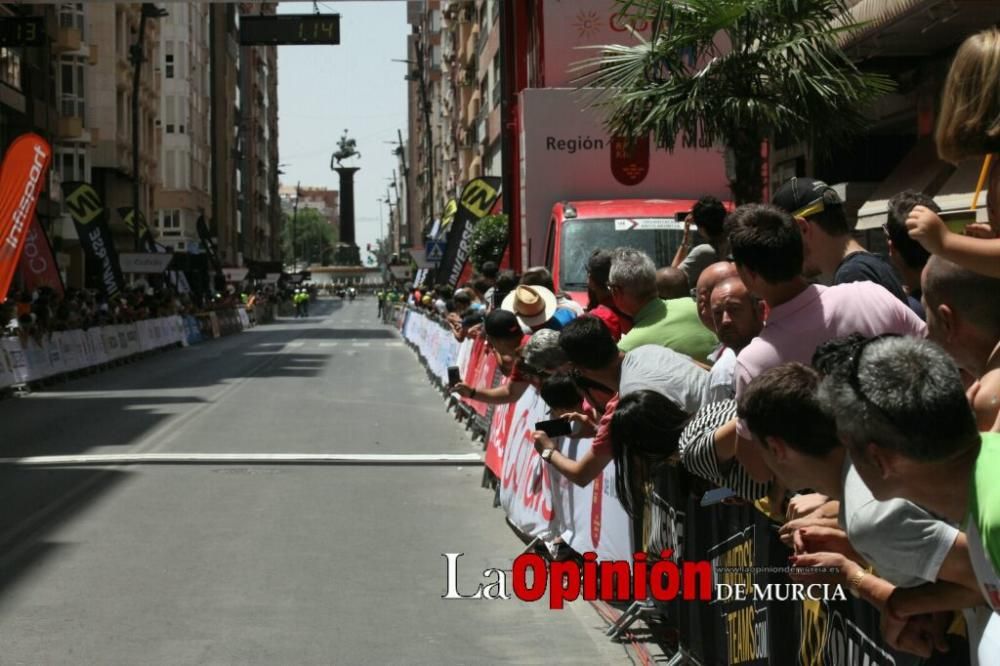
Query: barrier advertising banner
{"x":90,"y":218}
{"x":38,"y":266}
{"x":478,"y":198}
{"x":22,"y":177}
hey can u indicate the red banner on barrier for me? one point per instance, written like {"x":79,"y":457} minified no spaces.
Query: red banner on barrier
{"x":38,"y":265}
{"x":479,"y":373}
{"x":503,"y":415}
{"x":22,"y":178}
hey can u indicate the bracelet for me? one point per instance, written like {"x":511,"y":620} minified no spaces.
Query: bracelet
{"x":854,"y":582}
{"x":473,"y":394}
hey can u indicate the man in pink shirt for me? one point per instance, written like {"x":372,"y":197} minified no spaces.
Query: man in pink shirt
{"x":767,"y":247}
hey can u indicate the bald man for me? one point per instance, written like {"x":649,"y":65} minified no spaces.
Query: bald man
{"x":711,"y":276}
{"x":738,"y":318}
{"x":672,"y":283}
{"x":963,"y":316}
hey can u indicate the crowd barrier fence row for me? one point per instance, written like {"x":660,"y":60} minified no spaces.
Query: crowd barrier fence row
{"x":28,"y":360}
{"x":773,"y":628}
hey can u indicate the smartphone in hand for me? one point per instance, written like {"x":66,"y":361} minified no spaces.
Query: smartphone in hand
{"x":454,"y":375}
{"x":555,"y":427}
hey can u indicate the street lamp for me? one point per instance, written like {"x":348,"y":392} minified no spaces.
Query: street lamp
{"x":149,"y":11}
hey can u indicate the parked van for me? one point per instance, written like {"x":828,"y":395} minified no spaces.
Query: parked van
{"x":577,"y":228}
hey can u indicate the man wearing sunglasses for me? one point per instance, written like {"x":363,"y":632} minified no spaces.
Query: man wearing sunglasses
{"x":830,"y":249}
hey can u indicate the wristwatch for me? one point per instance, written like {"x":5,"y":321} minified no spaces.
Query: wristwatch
{"x":854,"y":583}
{"x":547,"y":455}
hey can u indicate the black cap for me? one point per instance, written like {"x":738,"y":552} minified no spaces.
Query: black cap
{"x":803,"y":197}
{"x":502,"y":324}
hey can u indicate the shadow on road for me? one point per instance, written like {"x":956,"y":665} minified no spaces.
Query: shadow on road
{"x":36,"y":503}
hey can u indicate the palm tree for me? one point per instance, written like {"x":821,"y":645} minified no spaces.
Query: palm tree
{"x":735,"y":73}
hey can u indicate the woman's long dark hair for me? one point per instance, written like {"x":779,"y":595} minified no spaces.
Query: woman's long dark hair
{"x":645,"y":429}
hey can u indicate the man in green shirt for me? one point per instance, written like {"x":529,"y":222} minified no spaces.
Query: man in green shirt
{"x":674,"y":323}
{"x":902,"y":410}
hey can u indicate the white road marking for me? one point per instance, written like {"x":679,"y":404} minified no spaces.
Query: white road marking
{"x":248,"y":459}
{"x":394,"y":344}
{"x":328,"y":344}
{"x":361,"y":344}
{"x":295,"y":345}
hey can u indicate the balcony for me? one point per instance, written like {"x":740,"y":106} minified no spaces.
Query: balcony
{"x":70,"y":128}
{"x":67,"y":39}
{"x":472,"y":110}
{"x":471,"y":49}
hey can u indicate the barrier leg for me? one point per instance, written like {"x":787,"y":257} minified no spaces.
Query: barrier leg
{"x":638,"y":610}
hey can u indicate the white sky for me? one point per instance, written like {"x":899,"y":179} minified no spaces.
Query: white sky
{"x":323,"y":90}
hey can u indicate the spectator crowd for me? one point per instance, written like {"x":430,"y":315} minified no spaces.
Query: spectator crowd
{"x":851,"y":397}
{"x":35,"y":314}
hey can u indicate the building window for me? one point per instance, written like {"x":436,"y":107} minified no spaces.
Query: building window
{"x":71,"y":16}
{"x":168,"y":60}
{"x":71,"y":89}
{"x":170,"y":219}
{"x":71,"y":164}
{"x":10,"y":67}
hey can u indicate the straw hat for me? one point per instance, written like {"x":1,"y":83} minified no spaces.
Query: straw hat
{"x":533,"y":306}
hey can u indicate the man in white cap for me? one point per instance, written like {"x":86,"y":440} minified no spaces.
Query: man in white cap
{"x":536,"y":308}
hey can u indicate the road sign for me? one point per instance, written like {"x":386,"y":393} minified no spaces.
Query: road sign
{"x":434,"y":251}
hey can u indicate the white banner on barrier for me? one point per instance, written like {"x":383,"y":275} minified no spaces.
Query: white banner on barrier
{"x":17,"y":358}
{"x":543,"y":503}
{"x":6,"y":371}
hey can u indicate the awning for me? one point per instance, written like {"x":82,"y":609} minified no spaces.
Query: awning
{"x":914,"y":28}
{"x":957,"y":192}
{"x":920,"y":170}
{"x":875,"y":15}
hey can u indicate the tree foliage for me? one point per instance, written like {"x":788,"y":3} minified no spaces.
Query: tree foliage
{"x":734,"y":73}
{"x":313,"y":235}
{"x":489,"y":240}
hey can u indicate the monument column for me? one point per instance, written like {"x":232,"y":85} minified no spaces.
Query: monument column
{"x":348,"y":253}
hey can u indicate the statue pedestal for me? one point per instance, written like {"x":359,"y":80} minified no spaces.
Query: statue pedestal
{"x":346,"y":255}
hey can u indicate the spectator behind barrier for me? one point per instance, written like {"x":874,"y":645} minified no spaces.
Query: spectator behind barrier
{"x":738,"y":318}
{"x":561,"y":395}
{"x":504,"y":336}
{"x":708,"y":443}
{"x":505,"y":284}
{"x":709,"y":215}
{"x":907,"y":545}
{"x":968,"y":126}
{"x":536,"y":308}
{"x":591,"y":350}
{"x":829,"y":248}
{"x":601,"y":303}
{"x":902,"y":412}
{"x":906,"y":255}
{"x":767,"y":249}
{"x":540,"y":276}
{"x":644,"y":431}
{"x":963,"y":316}
{"x":710,"y":277}
{"x":672,"y":324}
{"x":672,"y":283}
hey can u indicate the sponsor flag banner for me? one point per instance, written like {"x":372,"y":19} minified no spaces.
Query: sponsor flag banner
{"x":478,"y":198}
{"x":128,"y":216}
{"x":145,"y":262}
{"x":38,"y":263}
{"x":22,"y":177}
{"x":91,"y":221}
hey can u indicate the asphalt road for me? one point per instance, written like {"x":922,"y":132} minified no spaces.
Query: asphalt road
{"x":242,"y":563}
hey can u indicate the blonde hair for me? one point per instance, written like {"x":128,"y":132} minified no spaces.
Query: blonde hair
{"x":969,"y":122}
